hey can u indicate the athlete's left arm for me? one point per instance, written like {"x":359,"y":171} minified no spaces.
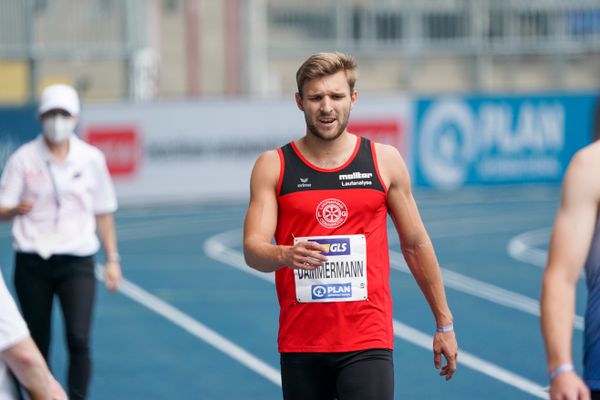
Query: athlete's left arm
{"x":418,"y":251}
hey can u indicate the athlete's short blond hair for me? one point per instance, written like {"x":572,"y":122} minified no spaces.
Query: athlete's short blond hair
{"x":324,"y":64}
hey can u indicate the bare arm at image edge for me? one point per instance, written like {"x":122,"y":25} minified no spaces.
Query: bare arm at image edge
{"x":21,"y":355}
{"x":28,"y":365}
{"x":569,"y":245}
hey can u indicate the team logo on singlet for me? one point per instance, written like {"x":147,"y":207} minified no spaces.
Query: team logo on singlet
{"x":331,"y":213}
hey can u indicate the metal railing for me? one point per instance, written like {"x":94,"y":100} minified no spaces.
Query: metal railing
{"x":128,"y":33}
{"x":426,"y":26}
{"x":68,"y":30}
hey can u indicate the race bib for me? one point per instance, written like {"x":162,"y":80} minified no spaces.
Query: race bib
{"x":46,"y":243}
{"x":343,"y":277}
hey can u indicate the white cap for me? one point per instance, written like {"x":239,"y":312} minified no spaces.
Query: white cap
{"x":59,"y":97}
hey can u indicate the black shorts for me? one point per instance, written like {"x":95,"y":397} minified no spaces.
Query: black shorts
{"x":356,"y":375}
{"x":595,"y":394}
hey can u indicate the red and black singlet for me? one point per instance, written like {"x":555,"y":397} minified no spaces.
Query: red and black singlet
{"x":348,"y":201}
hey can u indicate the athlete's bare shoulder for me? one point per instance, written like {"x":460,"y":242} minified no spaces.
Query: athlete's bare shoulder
{"x":387,"y":154}
{"x":267,"y":167}
{"x":581,"y":178}
{"x":391,"y":165}
{"x":589,"y":153}
{"x":269,"y":157}
{"x":587,"y":160}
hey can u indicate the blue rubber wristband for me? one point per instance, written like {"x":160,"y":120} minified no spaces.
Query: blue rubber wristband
{"x":559,"y":370}
{"x":445,"y":329}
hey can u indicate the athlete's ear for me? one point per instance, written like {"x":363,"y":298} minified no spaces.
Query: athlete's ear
{"x":353,"y":97}
{"x":298,"y":97}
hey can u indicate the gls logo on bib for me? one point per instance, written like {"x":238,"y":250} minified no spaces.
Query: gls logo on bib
{"x":336,"y":247}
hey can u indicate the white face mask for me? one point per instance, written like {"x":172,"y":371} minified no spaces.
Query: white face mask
{"x":58,"y":128}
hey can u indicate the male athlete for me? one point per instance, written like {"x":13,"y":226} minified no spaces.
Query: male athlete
{"x":575,"y":244}
{"x":325,"y":199}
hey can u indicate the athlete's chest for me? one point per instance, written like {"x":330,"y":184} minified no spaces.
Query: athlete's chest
{"x":330,"y":210}
{"x":298,"y":175}
{"x":330,"y":199}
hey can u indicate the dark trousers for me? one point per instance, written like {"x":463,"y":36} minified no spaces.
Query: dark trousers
{"x":356,"y":375}
{"x":595,"y":394}
{"x":72,"y":279}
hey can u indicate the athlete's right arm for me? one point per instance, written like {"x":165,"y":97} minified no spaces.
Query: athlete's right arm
{"x":570,"y":242}
{"x":261,"y":222}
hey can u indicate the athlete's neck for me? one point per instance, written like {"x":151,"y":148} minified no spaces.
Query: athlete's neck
{"x":327,"y":154}
{"x":58,"y":151}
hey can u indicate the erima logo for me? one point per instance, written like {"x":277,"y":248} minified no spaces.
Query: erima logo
{"x":355,"y":175}
{"x":336,"y":290}
{"x":304,"y":183}
{"x":335,"y":247}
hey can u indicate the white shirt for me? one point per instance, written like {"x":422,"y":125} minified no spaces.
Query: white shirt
{"x":12,"y":330}
{"x":66,"y":197}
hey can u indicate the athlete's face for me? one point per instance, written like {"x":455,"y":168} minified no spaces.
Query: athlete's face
{"x":326,"y":103}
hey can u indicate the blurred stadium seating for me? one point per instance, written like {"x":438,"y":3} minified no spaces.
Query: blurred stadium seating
{"x":147,"y":49}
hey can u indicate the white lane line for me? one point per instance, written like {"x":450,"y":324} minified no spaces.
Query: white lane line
{"x":196,"y":328}
{"x":483,"y":290}
{"x":523,"y":247}
{"x":218,"y":248}
{"x":520,"y":247}
{"x":441,"y":228}
{"x":485,"y":367}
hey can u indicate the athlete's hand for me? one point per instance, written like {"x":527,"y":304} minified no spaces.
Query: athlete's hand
{"x":444,"y":343}
{"x":112,"y":275}
{"x":569,"y":386}
{"x":23,"y":207}
{"x":306,"y":255}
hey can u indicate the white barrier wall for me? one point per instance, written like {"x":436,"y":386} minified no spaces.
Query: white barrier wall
{"x":204,"y":151}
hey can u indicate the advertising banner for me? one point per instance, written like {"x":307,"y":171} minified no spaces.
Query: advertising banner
{"x":205,"y":150}
{"x":498,"y":139}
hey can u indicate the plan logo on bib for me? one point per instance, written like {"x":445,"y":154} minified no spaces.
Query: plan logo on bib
{"x":332,"y":291}
{"x":331,"y":213}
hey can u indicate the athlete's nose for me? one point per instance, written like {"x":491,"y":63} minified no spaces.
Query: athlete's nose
{"x":326,"y":105}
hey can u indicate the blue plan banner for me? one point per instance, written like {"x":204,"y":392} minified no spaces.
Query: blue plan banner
{"x":17,"y":126}
{"x":498,"y":139}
